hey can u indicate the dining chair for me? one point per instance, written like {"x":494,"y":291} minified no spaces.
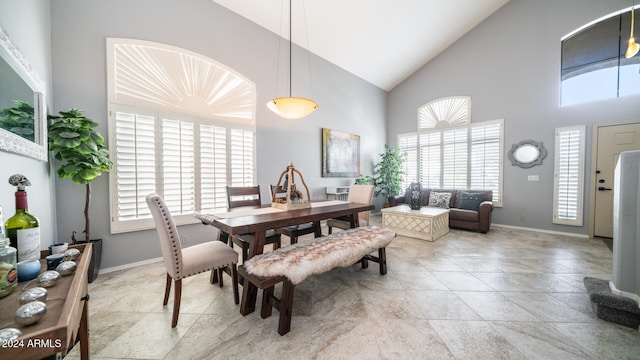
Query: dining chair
{"x":248,"y":196}
{"x":295,"y":231}
{"x":359,"y":194}
{"x":183,"y":262}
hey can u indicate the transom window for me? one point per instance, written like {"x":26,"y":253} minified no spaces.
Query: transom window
{"x":181,"y":125}
{"x":593,"y":63}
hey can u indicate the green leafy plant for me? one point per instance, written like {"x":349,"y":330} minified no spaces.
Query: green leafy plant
{"x":80,"y":151}
{"x":19,"y":120}
{"x":387,"y":174}
{"x":364,"y":180}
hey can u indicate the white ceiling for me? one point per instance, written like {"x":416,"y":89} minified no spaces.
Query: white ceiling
{"x":381,"y":41}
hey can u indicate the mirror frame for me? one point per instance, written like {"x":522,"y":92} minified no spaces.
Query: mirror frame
{"x":11,"y":142}
{"x":542,"y":153}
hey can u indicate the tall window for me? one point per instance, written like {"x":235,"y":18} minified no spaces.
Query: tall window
{"x":569,"y":175}
{"x":450,"y":152}
{"x":593,"y":63}
{"x":180,"y":125}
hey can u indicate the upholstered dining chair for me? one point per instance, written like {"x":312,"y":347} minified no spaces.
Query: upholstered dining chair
{"x":183,"y":262}
{"x":295,"y":231}
{"x":359,"y":194}
{"x":247,"y":196}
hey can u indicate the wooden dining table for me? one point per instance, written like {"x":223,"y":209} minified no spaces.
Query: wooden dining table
{"x":257,"y":221}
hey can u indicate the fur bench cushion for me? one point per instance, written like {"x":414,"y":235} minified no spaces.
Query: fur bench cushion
{"x":320,"y":255}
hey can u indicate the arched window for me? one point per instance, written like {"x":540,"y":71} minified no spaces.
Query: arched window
{"x":181,"y":125}
{"x":593,"y":63}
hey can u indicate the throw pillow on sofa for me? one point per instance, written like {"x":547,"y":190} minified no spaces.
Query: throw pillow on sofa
{"x":470,"y":200}
{"x":439,"y":199}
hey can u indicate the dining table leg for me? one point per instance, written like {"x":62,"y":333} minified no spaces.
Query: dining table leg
{"x":249,"y":290}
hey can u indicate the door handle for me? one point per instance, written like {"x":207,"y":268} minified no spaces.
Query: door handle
{"x":602,"y":188}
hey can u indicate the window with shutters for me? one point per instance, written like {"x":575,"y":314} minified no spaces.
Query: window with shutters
{"x":463,"y":157}
{"x":569,"y":175}
{"x":181,"y":125}
{"x":449,"y":152}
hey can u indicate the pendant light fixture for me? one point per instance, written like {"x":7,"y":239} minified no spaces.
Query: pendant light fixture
{"x":633,"y":47}
{"x":291,"y":107}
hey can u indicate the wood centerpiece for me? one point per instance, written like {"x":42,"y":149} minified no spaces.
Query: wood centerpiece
{"x":293,"y":198}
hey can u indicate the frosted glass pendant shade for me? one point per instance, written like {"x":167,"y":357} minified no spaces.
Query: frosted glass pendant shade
{"x":632,"y":49}
{"x":292,"y":107}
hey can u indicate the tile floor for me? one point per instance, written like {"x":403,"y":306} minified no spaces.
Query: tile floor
{"x":511,"y":294}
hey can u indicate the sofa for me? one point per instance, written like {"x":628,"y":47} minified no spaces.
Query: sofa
{"x":468,"y":209}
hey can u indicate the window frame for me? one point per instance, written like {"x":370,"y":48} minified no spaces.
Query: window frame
{"x":560,"y":157}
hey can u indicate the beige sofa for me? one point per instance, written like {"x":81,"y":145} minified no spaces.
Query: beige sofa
{"x":474,"y":214}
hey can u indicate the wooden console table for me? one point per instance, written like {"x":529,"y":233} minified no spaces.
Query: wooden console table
{"x":66,"y":320}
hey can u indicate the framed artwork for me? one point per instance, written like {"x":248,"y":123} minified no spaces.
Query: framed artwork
{"x":340,"y":154}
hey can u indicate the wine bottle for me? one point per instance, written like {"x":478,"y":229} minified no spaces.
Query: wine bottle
{"x":23,"y":229}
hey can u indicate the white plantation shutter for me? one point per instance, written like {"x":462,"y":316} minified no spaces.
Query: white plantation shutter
{"x":431,"y":160}
{"x":178,"y":165}
{"x":242,"y":154}
{"x":464,"y":157}
{"x":409,"y":145}
{"x":135,"y":169}
{"x":486,"y":162}
{"x":188,"y":161}
{"x":569,"y":176}
{"x":455,"y":159}
{"x":213,"y":167}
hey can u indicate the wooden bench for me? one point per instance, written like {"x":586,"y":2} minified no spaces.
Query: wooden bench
{"x":292,"y":264}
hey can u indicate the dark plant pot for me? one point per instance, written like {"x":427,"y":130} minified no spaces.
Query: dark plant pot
{"x":96,"y":258}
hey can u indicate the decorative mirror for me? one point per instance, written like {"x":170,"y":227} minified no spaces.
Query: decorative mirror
{"x":23,"y":116}
{"x":527,"y":153}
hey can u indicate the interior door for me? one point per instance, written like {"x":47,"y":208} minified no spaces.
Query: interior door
{"x":612,"y":140}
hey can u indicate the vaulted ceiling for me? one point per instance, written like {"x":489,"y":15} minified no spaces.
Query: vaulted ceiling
{"x":381,"y":41}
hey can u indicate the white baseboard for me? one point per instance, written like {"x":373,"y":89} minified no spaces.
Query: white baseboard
{"x":129,"y":266}
{"x":541,"y":230}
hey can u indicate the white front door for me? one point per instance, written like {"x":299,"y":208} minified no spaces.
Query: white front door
{"x":611,"y":141}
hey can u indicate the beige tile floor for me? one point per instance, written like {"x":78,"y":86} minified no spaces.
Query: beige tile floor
{"x":510,"y":294}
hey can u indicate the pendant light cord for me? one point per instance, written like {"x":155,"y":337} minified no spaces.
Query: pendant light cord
{"x":290,"y":48}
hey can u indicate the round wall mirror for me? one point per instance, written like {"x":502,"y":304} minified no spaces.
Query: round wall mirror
{"x":527,"y":153}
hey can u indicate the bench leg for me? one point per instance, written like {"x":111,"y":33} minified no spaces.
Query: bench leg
{"x":286,"y":307}
{"x":249,"y":296}
{"x":382,"y":258}
{"x":267,"y":302}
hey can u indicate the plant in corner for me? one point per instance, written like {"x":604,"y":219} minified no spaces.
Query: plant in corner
{"x":82,"y":157}
{"x":387,"y":174}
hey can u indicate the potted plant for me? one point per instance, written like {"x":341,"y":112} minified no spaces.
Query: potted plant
{"x":364,"y":180}
{"x":387,"y":174}
{"x":82,"y":156}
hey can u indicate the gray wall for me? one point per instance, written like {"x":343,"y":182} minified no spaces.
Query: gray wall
{"x":79,"y":29}
{"x":27,"y":24}
{"x":510,"y":66}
